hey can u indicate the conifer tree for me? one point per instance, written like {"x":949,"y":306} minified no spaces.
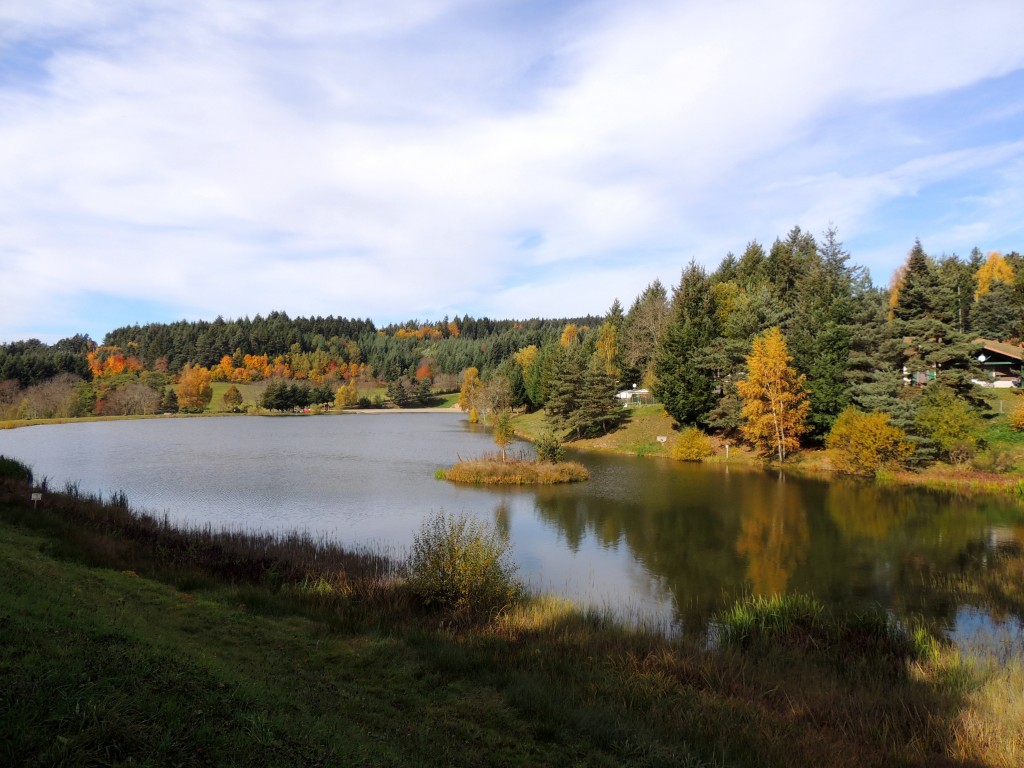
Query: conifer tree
{"x":821,"y":331}
{"x":685,"y":383}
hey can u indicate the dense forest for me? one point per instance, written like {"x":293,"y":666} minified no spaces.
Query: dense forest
{"x":908,"y":351}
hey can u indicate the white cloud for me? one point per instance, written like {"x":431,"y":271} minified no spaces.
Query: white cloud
{"x":395,"y":159}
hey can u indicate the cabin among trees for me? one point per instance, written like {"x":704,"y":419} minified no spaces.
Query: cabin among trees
{"x":1000,"y":363}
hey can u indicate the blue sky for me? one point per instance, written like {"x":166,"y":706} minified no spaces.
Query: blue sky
{"x":162,"y":159}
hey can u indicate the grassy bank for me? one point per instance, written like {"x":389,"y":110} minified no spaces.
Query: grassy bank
{"x":126,"y":641}
{"x":997,"y":469}
{"x":637,"y":436}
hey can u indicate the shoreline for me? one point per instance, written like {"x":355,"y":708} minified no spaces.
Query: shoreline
{"x":937,"y":477}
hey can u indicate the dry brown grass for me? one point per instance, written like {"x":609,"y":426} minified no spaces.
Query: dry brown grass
{"x":494,"y":471}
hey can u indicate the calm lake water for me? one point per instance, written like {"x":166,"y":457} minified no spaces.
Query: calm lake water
{"x":646,"y":537}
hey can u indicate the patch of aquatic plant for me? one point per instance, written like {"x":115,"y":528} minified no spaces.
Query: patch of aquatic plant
{"x":464,"y":565}
{"x":491,"y":470}
{"x":801,"y":622}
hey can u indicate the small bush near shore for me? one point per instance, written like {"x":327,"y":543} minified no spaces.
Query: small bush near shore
{"x":692,"y":445}
{"x":864,"y":443}
{"x":462,"y":564}
{"x":12,"y":469}
{"x":493,"y":471}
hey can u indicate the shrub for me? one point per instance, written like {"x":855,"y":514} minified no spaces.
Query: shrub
{"x":949,"y":421}
{"x":12,"y":469}
{"x":1017,"y":418}
{"x":462,"y":564}
{"x":692,"y":445}
{"x":864,"y":443}
{"x":549,"y":447}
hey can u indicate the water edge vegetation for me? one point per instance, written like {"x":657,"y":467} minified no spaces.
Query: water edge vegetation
{"x":128,"y":640}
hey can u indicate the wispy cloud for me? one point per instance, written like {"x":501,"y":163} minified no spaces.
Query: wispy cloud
{"x":398,"y":160}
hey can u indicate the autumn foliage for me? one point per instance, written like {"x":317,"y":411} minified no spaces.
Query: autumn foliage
{"x":692,"y":445}
{"x":470,"y":392}
{"x":996,"y":269}
{"x":775,"y":403}
{"x":1017,"y":418}
{"x":194,"y":390}
{"x":863,"y":443}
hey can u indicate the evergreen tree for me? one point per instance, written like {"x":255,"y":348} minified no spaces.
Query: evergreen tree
{"x":996,"y":314}
{"x":598,"y":411}
{"x":641,"y":334}
{"x":821,"y":330}
{"x":685,"y":384}
{"x":751,"y":270}
{"x":565,"y":387}
{"x":169,"y":402}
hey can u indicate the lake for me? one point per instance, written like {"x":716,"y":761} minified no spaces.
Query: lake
{"x":648,"y":538}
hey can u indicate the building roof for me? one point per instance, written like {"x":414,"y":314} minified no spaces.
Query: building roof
{"x":1010,"y":350}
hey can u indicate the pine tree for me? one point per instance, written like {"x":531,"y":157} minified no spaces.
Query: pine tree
{"x":641,"y":333}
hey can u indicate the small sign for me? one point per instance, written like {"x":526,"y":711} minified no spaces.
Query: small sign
{"x":661,"y":439}
{"x":36,"y":498}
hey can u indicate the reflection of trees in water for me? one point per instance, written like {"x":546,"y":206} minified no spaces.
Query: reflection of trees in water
{"x":502,"y":518}
{"x":711,"y":536}
{"x":991,"y":574}
{"x":865,"y":510}
{"x":678,"y":525}
{"x":774,"y":537}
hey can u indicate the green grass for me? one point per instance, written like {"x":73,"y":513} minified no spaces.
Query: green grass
{"x":123,"y":641}
{"x":449,"y":400}
{"x":251,"y":394}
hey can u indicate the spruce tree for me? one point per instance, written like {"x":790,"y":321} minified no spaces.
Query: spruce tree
{"x":685,"y":384}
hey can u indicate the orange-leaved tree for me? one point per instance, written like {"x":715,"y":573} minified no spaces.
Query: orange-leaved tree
{"x":775,"y":403}
{"x":194,"y":390}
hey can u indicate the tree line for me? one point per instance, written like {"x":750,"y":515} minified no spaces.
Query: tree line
{"x":801,"y":302}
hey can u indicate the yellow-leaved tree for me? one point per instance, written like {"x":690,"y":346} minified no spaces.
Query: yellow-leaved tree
{"x":996,"y":269}
{"x":775,"y":403}
{"x":469,"y":393}
{"x":194,"y":390}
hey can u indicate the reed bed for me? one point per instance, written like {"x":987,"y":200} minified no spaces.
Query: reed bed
{"x":491,"y":470}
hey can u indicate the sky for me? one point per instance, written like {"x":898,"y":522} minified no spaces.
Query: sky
{"x":410,"y":159}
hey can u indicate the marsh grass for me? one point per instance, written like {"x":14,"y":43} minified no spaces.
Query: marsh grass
{"x":491,"y":470}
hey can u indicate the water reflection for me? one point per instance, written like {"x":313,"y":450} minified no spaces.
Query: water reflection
{"x":774,"y":538}
{"x":641,"y":537}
